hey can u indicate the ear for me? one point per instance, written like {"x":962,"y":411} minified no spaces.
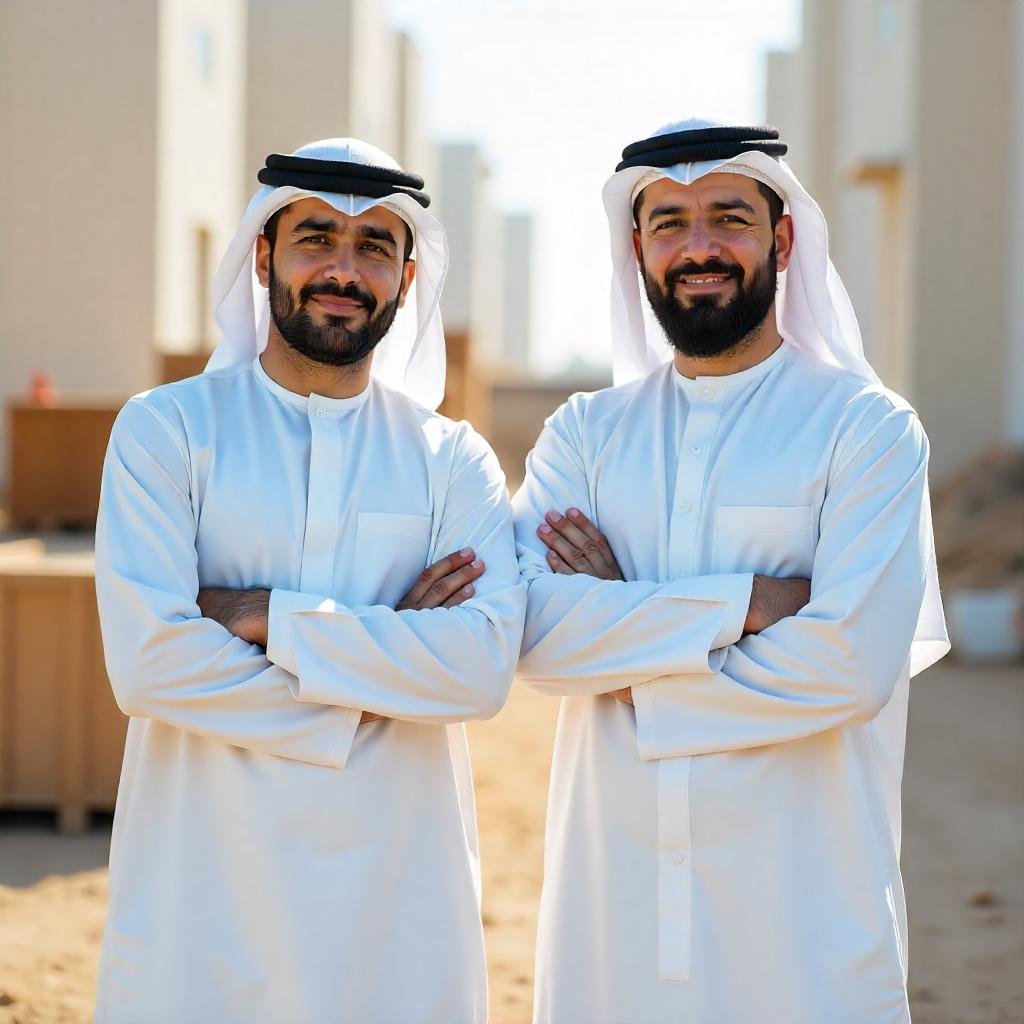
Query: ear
{"x":636,"y":246}
{"x":408,"y":275}
{"x":783,"y":242}
{"x":263,"y":261}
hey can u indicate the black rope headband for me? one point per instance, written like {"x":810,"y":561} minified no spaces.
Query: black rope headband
{"x":342,"y":176}
{"x":696,"y":144}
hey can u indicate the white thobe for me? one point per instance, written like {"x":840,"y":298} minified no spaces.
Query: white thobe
{"x":272,"y":859}
{"x":727,"y":853}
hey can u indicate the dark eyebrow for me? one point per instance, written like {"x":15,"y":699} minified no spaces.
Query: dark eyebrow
{"x":328,"y":226}
{"x":377,"y":234}
{"x":313,"y":224}
{"x":725,"y":204}
{"x":734,"y":204}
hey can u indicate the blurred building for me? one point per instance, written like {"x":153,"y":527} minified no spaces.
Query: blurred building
{"x":517,"y":296}
{"x":132,"y":134}
{"x":905,"y":120}
{"x":471,"y":302}
{"x":325,"y":69}
{"x":121,"y":128}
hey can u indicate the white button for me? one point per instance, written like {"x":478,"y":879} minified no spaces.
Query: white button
{"x":695,"y":449}
{"x":320,"y":412}
{"x":677,"y":858}
{"x":685,"y":507}
{"x":707,"y":393}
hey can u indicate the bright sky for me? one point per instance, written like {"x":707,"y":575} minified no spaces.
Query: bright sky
{"x":553,"y":90}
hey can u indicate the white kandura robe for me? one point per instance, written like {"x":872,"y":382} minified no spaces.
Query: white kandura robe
{"x":272,"y":859}
{"x":728,"y":854}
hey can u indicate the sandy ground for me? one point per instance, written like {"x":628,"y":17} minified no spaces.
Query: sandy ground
{"x":963,"y":863}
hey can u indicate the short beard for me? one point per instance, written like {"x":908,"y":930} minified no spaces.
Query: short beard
{"x":707,"y":328}
{"x":332,"y":343}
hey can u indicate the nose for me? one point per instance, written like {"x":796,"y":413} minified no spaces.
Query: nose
{"x":341,"y":267}
{"x":700,"y":243}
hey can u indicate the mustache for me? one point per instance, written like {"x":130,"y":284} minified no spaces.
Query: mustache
{"x":711,"y":266}
{"x":350,"y":291}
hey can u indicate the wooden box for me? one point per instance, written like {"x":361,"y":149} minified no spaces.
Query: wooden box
{"x":56,"y":461}
{"x":61,"y":733}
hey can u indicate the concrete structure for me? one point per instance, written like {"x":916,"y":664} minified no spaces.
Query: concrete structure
{"x":517,"y":297}
{"x":906,"y":122}
{"x":132,"y":133}
{"x":471,"y":303}
{"x":330,"y":68}
{"x":120,"y":173}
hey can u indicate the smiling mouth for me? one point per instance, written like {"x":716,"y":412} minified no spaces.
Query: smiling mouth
{"x":703,"y":280}
{"x":339,"y":306}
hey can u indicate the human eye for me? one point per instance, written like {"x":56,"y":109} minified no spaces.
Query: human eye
{"x":668,"y":225}
{"x":315,"y":240}
{"x":732,"y":218}
{"x":374,"y":247}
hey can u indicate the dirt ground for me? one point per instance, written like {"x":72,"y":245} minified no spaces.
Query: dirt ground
{"x":963,"y":862}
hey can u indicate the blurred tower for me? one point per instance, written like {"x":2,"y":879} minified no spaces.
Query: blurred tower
{"x":517,"y":304}
{"x":917,"y":168}
{"x":327,"y":69}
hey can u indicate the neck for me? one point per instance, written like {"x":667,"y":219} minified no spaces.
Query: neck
{"x":750,"y":350}
{"x":304,"y":376}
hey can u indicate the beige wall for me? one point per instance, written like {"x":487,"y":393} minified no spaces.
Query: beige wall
{"x":299,"y":69}
{"x":200,"y":150}
{"x":78,"y":128}
{"x":905,"y":108}
{"x":958,"y":189}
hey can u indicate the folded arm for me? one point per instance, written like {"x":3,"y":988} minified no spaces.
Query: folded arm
{"x":429,"y":664}
{"x":586,"y":635}
{"x":837,"y":661}
{"x":164,"y":659}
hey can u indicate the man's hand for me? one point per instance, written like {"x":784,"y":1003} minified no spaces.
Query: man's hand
{"x":446,"y":583}
{"x":576,"y":545}
{"x":243,"y":613}
{"x":772,"y":600}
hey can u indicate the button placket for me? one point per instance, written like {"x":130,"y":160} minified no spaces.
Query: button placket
{"x":675,"y":873}
{"x":323,"y":504}
{"x":701,"y":421}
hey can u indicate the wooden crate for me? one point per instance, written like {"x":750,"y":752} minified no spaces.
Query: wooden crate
{"x":61,"y":734}
{"x":179,"y":365}
{"x":56,"y":461}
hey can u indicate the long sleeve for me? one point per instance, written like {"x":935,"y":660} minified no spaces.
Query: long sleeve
{"x":586,"y":636}
{"x":837,"y":662}
{"x":430,"y":666}
{"x":165,"y":661}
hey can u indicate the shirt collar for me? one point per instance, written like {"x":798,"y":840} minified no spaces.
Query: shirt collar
{"x":730,"y":380}
{"x":322,"y":404}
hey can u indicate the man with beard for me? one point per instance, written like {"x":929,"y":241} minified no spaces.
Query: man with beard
{"x":290,"y":545}
{"x":731,"y":581}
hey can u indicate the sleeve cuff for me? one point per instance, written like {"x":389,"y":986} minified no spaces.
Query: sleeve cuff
{"x":731,"y":630}
{"x":283,"y":604}
{"x":350,"y":720}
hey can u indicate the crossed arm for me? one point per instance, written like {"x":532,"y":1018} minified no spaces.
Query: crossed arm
{"x":708,"y":667}
{"x":245,"y":613}
{"x":447,"y":654}
{"x":576,"y":545}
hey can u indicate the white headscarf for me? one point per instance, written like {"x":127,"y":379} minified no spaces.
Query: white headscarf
{"x":411,"y":357}
{"x":812,"y":307}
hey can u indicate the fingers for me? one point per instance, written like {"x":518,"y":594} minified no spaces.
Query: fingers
{"x":447,"y":587}
{"x":441,"y":568}
{"x":459,"y":596}
{"x":446,"y":583}
{"x":558,"y":565}
{"x":579,"y":544}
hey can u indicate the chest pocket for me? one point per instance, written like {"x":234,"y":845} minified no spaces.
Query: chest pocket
{"x":391,"y":551}
{"x":767,"y":539}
